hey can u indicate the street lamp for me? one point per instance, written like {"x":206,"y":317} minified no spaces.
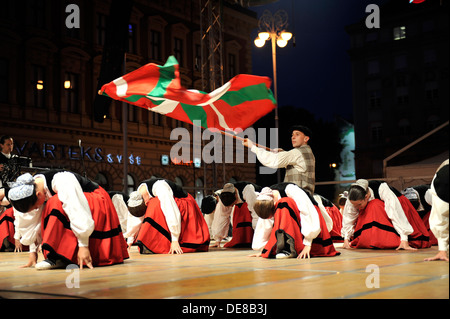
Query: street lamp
{"x":274,"y":27}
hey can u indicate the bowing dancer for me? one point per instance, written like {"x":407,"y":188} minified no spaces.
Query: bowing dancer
{"x":208,"y":207}
{"x":420,"y":198}
{"x":7,"y":240}
{"x":72,"y":217}
{"x":290,"y":225}
{"x":235,"y":204}
{"x":172,"y":222}
{"x":332,"y":217}
{"x":378,"y":216}
{"x":439,"y":211}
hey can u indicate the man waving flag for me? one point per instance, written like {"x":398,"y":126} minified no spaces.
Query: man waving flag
{"x":236,"y":105}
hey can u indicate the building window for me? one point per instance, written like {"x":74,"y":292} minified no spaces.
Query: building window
{"x":132,"y":112}
{"x":4,"y":75}
{"x":101,"y":29}
{"x":431,"y":90}
{"x":178,"y":50}
{"x":429,"y":56}
{"x":157,"y":118}
{"x":373,"y":67}
{"x":404,"y":127}
{"x":71,"y":89}
{"x":198,"y":57}
{"x":101,"y":180}
{"x":428,"y":26}
{"x":400,"y":62}
{"x":155,"y":45}
{"x":199,"y":191}
{"x":399,"y":33}
{"x":374,"y":100}
{"x":38,"y":16}
{"x":179,"y":181}
{"x":132,"y":38}
{"x":377,"y":133}
{"x":432,"y":122}
{"x":371,"y":37}
{"x":232,"y":65}
{"x":39,"y":86}
{"x":131,"y":184}
{"x":402,"y":95}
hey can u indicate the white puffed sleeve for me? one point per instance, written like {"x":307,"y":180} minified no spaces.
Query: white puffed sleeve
{"x":75,"y":205}
{"x":439,"y":219}
{"x":349,"y":217}
{"x":395,"y":212}
{"x":221,"y":222}
{"x":249,"y":195}
{"x":133,"y":226}
{"x":262,"y":233}
{"x":280,"y":159}
{"x":121,"y":209}
{"x":324,"y":212}
{"x":309,"y":214}
{"x":169,"y":207}
{"x":27,"y":228}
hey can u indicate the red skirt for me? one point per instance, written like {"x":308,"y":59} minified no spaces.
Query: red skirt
{"x":286,"y":234}
{"x":106,"y":243}
{"x":7,"y":230}
{"x":154,"y":235}
{"x":420,"y":237}
{"x":374,"y":229}
{"x":242,"y":228}
{"x":336,"y":216}
{"x":426,"y":222}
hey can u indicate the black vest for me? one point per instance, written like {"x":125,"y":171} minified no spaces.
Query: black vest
{"x":375,"y":185}
{"x":281,"y":187}
{"x":178,"y":191}
{"x":87,"y":185}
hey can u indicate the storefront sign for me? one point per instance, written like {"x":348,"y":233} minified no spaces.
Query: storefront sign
{"x":76,"y":153}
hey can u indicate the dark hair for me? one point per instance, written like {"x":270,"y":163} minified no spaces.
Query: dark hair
{"x":264,"y":208}
{"x":138,"y":211}
{"x":356,"y":193}
{"x":342,"y":201}
{"x":305,"y":130}
{"x":4,"y":138}
{"x":208,"y":204}
{"x":227,"y":198}
{"x":23,"y":205}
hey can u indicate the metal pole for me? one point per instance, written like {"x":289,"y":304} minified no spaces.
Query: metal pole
{"x":273,"y":36}
{"x":125,"y":135}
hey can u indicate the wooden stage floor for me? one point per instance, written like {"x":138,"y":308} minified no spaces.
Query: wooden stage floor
{"x":231,"y":274}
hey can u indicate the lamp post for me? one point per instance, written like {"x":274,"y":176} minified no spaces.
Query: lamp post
{"x":273,"y":27}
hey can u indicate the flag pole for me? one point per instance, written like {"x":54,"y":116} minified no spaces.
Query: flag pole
{"x":243,"y":139}
{"x":125,"y":134}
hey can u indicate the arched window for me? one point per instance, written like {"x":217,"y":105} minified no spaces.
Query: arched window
{"x":179,"y":181}
{"x":199,"y":191}
{"x":101,"y":180}
{"x":131,"y":184}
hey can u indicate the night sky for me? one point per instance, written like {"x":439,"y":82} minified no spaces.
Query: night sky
{"x":316,"y":73}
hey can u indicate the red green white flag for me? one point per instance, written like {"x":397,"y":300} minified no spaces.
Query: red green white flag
{"x":236,"y":105}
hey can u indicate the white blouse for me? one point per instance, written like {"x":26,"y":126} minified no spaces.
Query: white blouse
{"x":162,"y":190}
{"x":393,"y":210}
{"x":74,"y":203}
{"x":439,"y":219}
{"x":309,"y":218}
{"x":224,"y":215}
